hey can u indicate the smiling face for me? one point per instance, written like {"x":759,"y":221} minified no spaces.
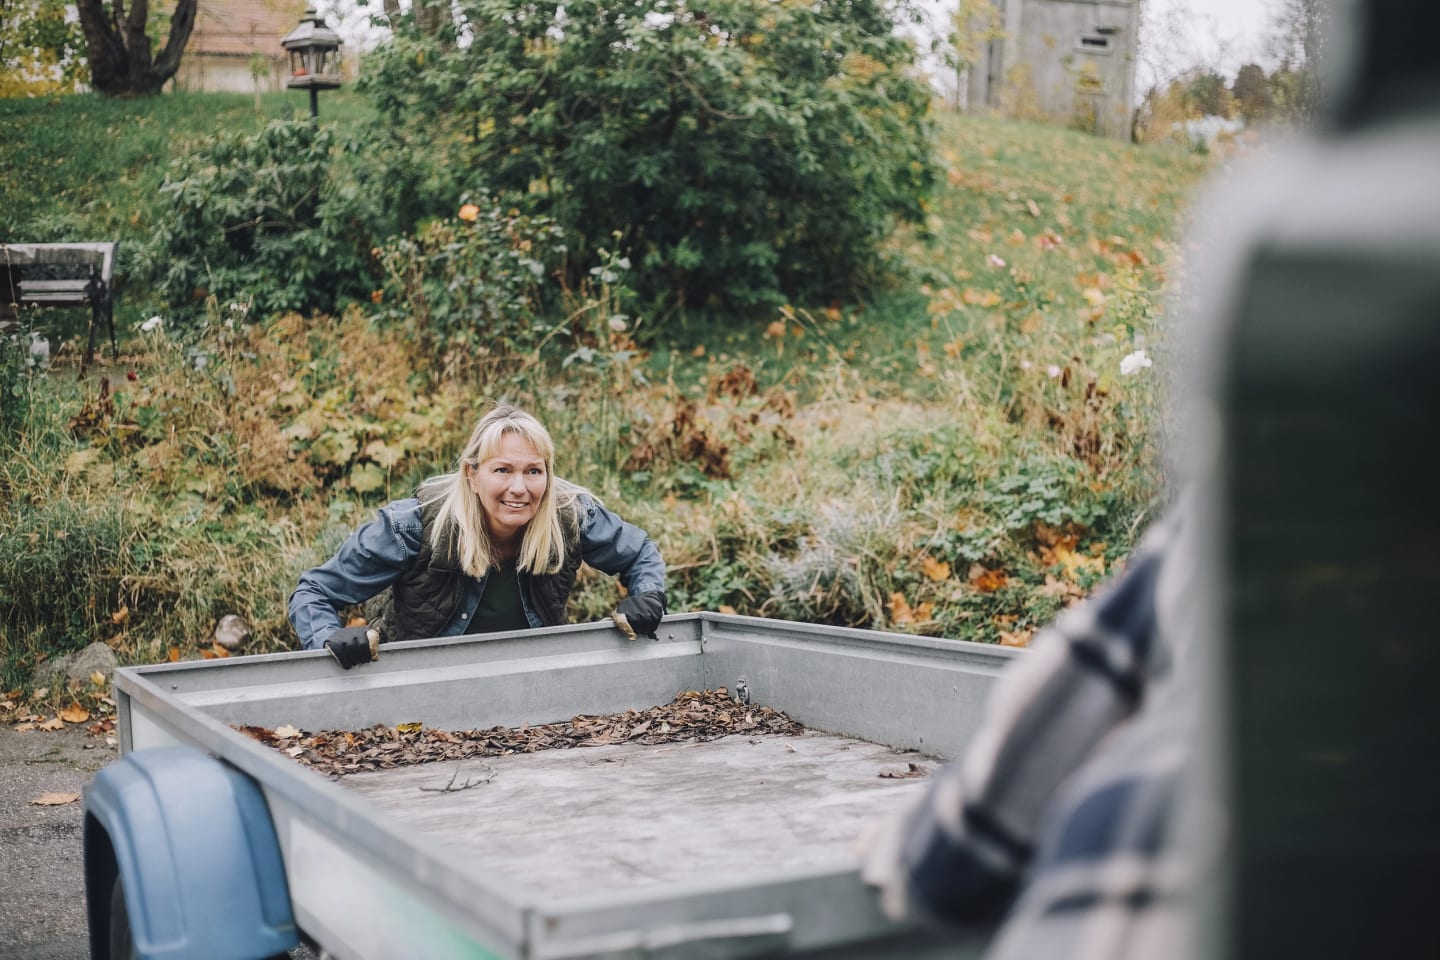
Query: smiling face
{"x":510,"y":486}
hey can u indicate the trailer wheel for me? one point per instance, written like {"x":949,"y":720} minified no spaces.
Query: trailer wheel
{"x":122,"y":946}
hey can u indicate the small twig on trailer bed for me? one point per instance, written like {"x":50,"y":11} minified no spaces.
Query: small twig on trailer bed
{"x":469,"y":782}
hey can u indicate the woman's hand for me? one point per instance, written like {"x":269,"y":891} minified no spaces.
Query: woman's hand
{"x":354,"y":645}
{"x":642,"y":612}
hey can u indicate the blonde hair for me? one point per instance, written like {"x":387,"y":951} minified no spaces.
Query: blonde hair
{"x":542,"y":548}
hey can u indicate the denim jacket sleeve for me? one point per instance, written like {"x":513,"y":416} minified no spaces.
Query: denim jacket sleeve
{"x":621,"y":549}
{"x":371,"y":559}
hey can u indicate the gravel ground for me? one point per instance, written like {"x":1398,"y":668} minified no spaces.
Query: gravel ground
{"x":42,"y":897}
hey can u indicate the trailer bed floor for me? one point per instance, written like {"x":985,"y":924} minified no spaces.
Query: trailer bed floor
{"x":591,"y":820}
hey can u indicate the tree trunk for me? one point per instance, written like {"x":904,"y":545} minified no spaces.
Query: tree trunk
{"x":431,"y":16}
{"x":118,"y":49}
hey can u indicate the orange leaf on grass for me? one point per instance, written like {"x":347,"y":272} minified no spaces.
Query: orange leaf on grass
{"x":986,"y":580}
{"x":977,"y":298}
{"x":74,"y":714}
{"x":900,"y":612}
{"x":936,"y":570}
{"x":1020,"y":638}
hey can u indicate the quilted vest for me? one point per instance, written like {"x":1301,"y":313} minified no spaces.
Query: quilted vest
{"x":425,"y":597}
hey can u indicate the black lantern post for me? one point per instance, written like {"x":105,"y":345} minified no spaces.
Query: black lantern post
{"x":314,"y":57}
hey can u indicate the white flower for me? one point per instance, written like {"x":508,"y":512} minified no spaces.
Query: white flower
{"x":154,"y":323}
{"x":1052,"y":371}
{"x":1026,"y":364}
{"x":995,"y":261}
{"x":1134,"y":363}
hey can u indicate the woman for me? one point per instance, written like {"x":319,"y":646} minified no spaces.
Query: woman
{"x":494,"y":546}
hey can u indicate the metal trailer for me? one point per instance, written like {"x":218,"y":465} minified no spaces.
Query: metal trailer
{"x":202,"y":842}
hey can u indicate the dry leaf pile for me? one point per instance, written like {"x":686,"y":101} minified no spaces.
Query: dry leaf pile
{"x":692,"y":715}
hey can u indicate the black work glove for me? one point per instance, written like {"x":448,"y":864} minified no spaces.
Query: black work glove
{"x":642,"y":613}
{"x":352,"y":645}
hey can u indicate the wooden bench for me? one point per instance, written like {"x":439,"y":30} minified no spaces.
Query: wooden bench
{"x":62,"y":275}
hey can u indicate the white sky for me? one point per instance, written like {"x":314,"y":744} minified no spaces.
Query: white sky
{"x":1224,"y":34}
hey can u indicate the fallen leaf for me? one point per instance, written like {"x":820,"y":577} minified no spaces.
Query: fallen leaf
{"x":726,"y":608}
{"x":1060,"y":589}
{"x":97,"y":678}
{"x":900,"y":612}
{"x":986,"y":580}
{"x":286,"y":731}
{"x":1020,"y":638}
{"x":120,"y":616}
{"x":74,"y":714}
{"x":53,"y":724}
{"x":413,"y":727}
{"x":174,"y":655}
{"x":258,"y":733}
{"x":1078,"y":563}
{"x":23,"y":727}
{"x":936,"y":570}
{"x":55,"y":799}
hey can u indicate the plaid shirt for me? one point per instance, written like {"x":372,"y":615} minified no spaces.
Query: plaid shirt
{"x":1057,"y":818}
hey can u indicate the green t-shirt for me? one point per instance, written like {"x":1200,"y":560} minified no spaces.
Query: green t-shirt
{"x":499,"y":607}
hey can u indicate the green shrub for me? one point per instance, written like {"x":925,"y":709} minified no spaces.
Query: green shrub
{"x":470,"y":287}
{"x":269,"y":219}
{"x":746,"y":153}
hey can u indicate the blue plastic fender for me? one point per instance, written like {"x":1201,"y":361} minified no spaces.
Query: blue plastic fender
{"x":193,"y":842}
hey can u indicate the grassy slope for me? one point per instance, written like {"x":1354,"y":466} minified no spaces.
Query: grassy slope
{"x":86,"y":168}
{"x":959,"y":457}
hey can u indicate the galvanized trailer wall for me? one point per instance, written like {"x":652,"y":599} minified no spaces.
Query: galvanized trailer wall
{"x":369,"y":886}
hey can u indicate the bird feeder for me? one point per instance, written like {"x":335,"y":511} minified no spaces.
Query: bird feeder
{"x":314,"y":57}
